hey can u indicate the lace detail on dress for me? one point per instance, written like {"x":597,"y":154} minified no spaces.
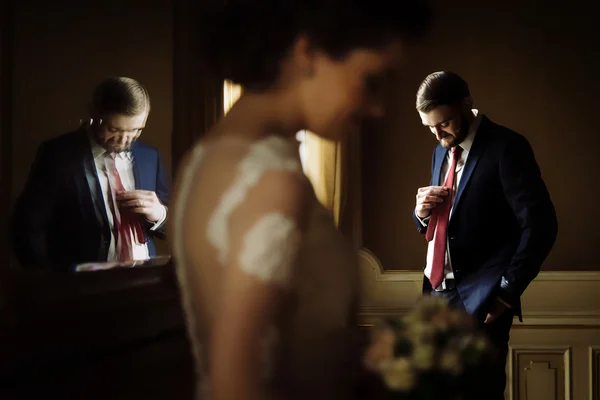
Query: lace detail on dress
{"x":272,"y":153}
{"x":270,"y":248}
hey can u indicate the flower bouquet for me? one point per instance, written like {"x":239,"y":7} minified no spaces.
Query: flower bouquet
{"x":433,"y":352}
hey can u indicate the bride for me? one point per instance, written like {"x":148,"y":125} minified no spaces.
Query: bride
{"x":268,"y":284}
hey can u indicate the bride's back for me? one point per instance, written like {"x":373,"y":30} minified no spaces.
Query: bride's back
{"x":225,"y":182}
{"x":207,"y":173}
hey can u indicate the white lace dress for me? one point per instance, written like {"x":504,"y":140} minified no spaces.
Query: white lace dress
{"x":309,"y":352}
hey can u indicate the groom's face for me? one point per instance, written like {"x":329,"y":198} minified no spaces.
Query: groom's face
{"x":117,"y":133}
{"x":448,"y":124}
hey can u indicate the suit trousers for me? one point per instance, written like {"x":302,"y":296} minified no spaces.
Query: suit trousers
{"x":498,"y":332}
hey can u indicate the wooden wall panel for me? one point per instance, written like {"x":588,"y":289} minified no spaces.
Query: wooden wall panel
{"x":540,"y":373}
{"x":594,"y":365}
{"x":555,"y":351}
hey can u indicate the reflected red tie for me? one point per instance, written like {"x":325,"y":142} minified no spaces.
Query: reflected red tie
{"x":127,"y":226}
{"x":438,"y":224}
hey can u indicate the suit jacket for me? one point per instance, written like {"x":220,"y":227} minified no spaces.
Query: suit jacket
{"x":503,"y":224}
{"x":60,"y":218}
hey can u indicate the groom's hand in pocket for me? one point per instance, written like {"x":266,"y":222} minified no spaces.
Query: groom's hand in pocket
{"x":498,"y":308}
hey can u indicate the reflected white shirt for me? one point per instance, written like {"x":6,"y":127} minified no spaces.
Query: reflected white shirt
{"x":124,"y":164}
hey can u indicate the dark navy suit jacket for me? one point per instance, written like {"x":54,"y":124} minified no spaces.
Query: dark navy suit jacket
{"x":503,"y":224}
{"x":60,"y":218}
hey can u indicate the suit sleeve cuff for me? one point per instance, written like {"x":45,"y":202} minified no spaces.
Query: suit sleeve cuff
{"x":505,"y":295}
{"x":161,"y":220}
{"x":423,"y":221}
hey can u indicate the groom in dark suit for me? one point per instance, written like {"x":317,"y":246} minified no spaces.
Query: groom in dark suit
{"x":486,"y":214}
{"x":95,"y":194}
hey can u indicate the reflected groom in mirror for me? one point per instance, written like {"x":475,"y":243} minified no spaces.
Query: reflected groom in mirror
{"x":486,"y":214}
{"x":95,"y":194}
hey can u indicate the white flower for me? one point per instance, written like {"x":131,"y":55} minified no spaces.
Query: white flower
{"x":420,"y":331}
{"x":381,"y":350}
{"x":423,"y":356}
{"x":450,"y":362}
{"x":399,"y":375}
{"x":480,"y":344}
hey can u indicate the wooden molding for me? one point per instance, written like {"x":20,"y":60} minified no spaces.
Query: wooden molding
{"x":368,"y":257}
{"x":554,"y":298}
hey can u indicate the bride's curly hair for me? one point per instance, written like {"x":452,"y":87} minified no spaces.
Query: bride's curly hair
{"x":246,"y":40}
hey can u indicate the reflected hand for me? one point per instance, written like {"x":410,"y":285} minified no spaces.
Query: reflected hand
{"x":144,"y":202}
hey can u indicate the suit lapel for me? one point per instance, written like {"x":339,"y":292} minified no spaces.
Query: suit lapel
{"x":474,"y":155}
{"x":440,"y":159}
{"x":136,"y":159}
{"x":141,"y":165}
{"x":91,"y":181}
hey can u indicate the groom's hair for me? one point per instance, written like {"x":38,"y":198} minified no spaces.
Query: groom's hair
{"x":441,"y":88}
{"x":120,"y":95}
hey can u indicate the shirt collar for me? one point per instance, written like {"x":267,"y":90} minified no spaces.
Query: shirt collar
{"x":468,"y":141}
{"x":99,"y":151}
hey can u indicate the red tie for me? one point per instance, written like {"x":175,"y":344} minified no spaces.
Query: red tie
{"x":127,"y":226}
{"x":438,"y":224}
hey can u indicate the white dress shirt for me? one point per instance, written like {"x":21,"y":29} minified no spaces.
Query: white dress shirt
{"x":124,"y":164}
{"x":466,"y":147}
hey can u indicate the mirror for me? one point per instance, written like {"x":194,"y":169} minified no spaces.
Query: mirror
{"x":54,"y":73}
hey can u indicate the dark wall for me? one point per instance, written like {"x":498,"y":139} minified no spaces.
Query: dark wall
{"x":61,"y":50}
{"x":532,"y":67}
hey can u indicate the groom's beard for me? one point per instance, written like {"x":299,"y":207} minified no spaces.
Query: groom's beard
{"x":459,"y":135}
{"x":112,"y":145}
{"x":463,"y":131}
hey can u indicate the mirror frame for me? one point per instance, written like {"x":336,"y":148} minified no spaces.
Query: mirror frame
{"x":197,"y":96}
{"x":6,"y":61}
